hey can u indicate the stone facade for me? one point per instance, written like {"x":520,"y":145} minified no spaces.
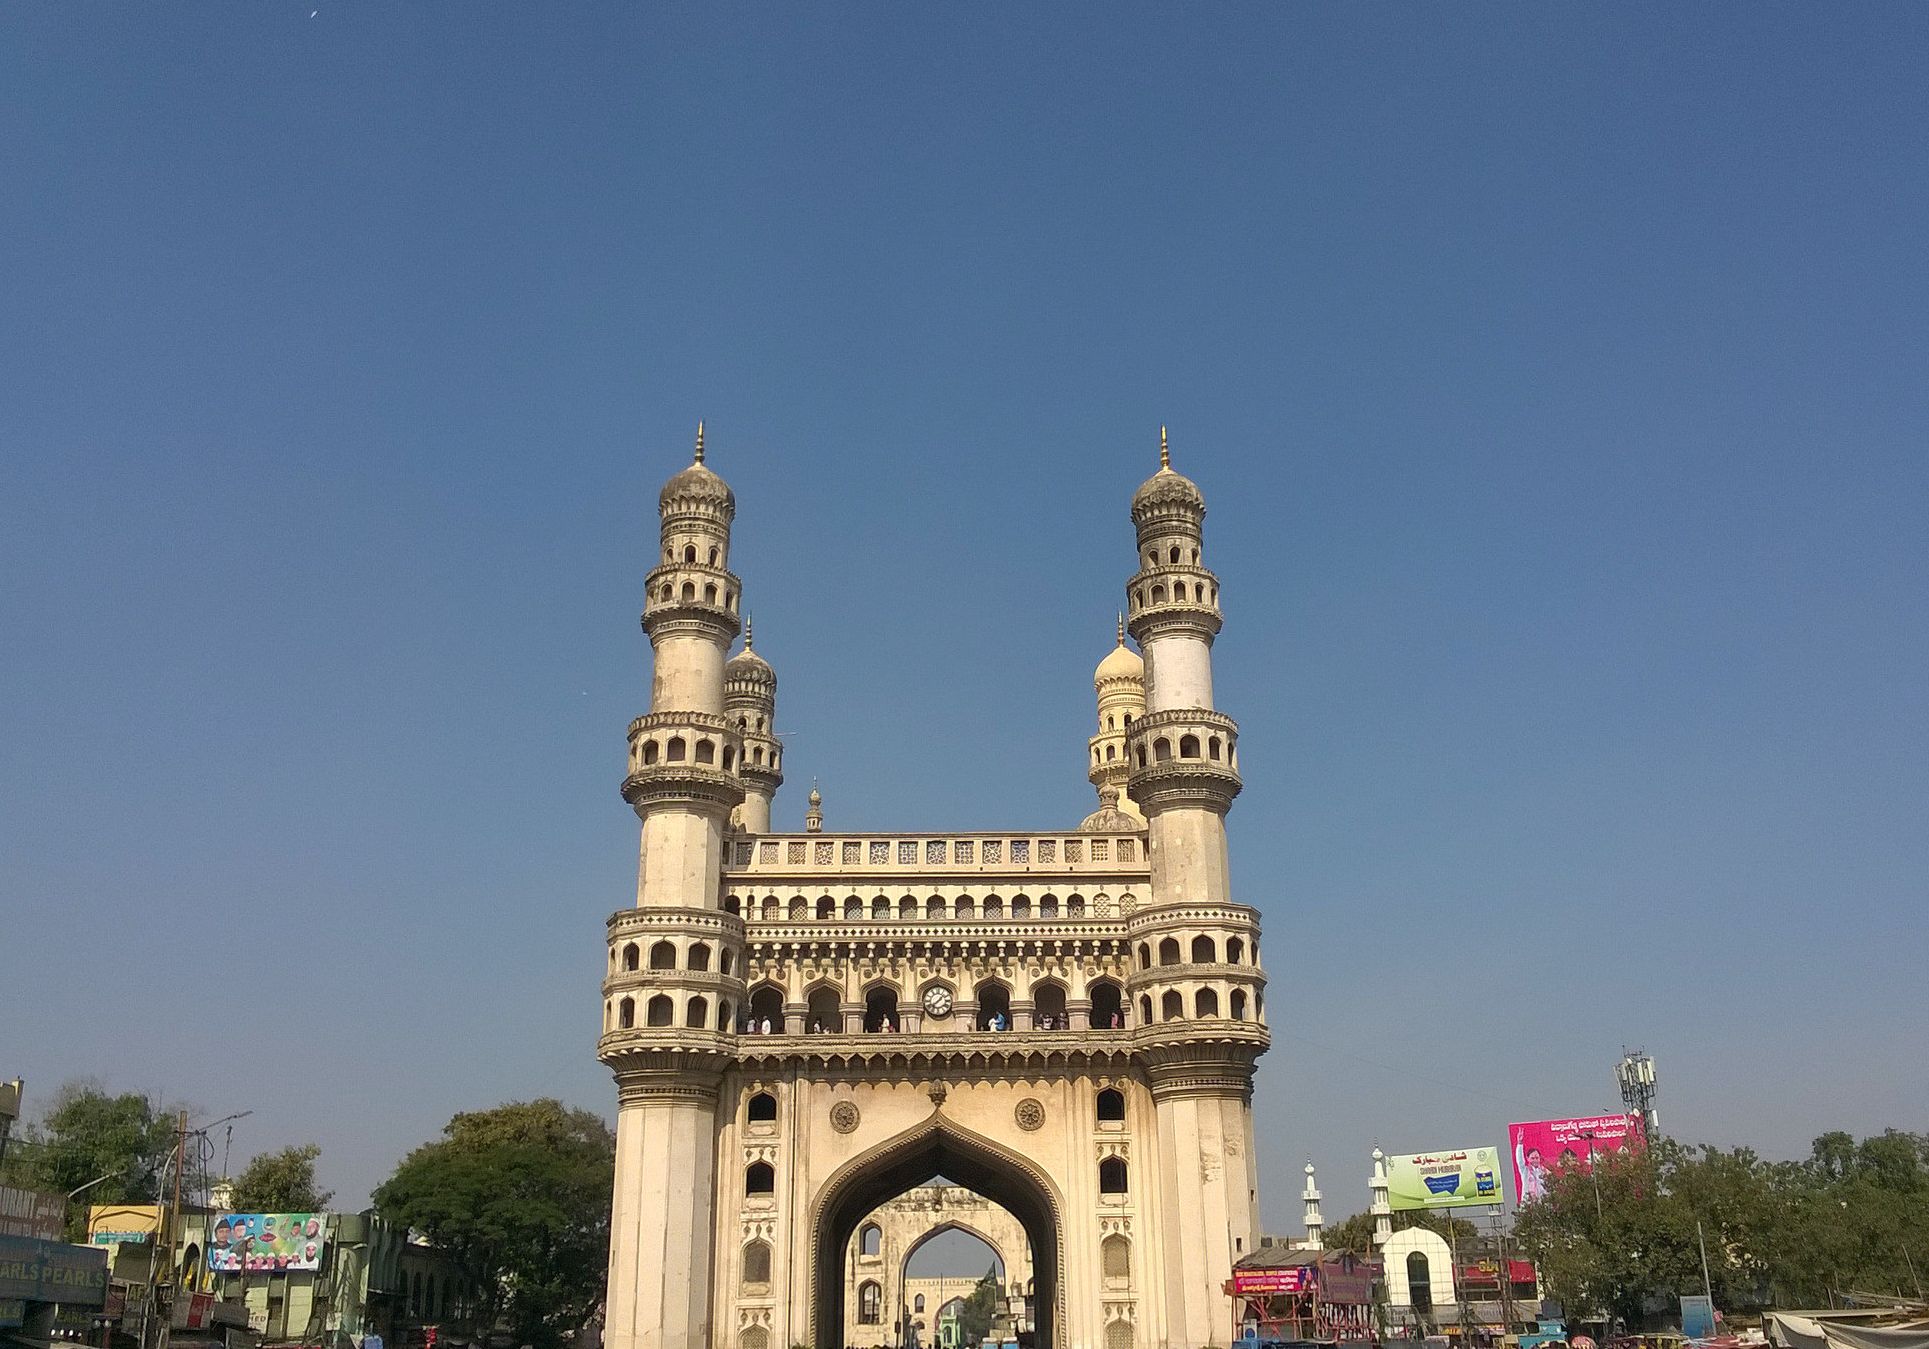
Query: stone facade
{"x":803,"y":1027}
{"x":879,"y":1298}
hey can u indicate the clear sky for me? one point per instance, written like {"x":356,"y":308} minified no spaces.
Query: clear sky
{"x":1556,"y":376}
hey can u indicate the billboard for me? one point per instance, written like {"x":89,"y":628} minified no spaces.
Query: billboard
{"x":267,"y":1242}
{"x":33,"y":1270}
{"x":32,"y":1213}
{"x":1273,"y":1279}
{"x":1454,"y":1179}
{"x":1544,"y":1148}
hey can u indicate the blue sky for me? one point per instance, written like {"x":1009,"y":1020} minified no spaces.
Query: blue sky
{"x":1555,"y":376}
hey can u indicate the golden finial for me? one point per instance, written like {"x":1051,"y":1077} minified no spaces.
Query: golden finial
{"x":1121,"y":627}
{"x":699,"y":441}
{"x":1165,"y":454}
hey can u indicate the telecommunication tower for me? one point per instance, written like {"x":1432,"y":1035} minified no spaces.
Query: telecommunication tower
{"x":1635,"y":1072}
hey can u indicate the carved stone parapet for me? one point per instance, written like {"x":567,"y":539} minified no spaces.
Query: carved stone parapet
{"x":636,"y":923}
{"x":1213,"y":1058}
{"x":654,"y":1064}
{"x":682,"y":784}
{"x":1182,"y":618}
{"x":1184,"y":757}
{"x":677,"y":584}
{"x":680,"y":982}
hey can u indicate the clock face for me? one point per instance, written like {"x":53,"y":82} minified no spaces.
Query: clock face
{"x":937,"y":1001}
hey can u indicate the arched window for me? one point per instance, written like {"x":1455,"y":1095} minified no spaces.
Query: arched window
{"x":710,"y":594}
{"x":964,"y":907}
{"x":1205,"y":1003}
{"x":1115,"y":1259}
{"x":1075,"y":907}
{"x":994,"y":907}
{"x":907,"y":907}
{"x":1021,"y":906}
{"x":626,"y":1013}
{"x":826,"y":1010}
{"x":1158,"y":594}
{"x":853,"y":907}
{"x":689,"y":553}
{"x":881,"y":1009}
{"x":756,"y":1337}
{"x":826,"y":907}
{"x":1145,"y":956}
{"x":870,"y":1304}
{"x":1111,"y":1176}
{"x":724,"y":964}
{"x":1212,"y":747}
{"x":870,"y":1241}
{"x":994,"y":1006}
{"x":1173,"y":556}
{"x":934,"y":907}
{"x":799,"y":908}
{"x":1188,"y":747}
{"x":917,"y":1303}
{"x":1162,"y":749}
{"x":1173,"y":1006}
{"x":1239,"y":1004}
{"x":676,"y":750}
{"x":1111,"y":753}
{"x":756,"y":1262}
{"x":1169,"y":951}
{"x":1141,"y":756}
{"x":1419,"y":1281}
{"x":732,"y":904}
{"x":1108,"y":1005}
{"x":881,"y":908}
{"x":730,"y":758}
{"x":723,"y":1015}
{"x":1048,"y":1007}
{"x":696,"y":1015}
{"x":662,"y":1012}
{"x":713,"y":557}
{"x":759,"y":1179}
{"x":1111,"y":1106}
{"x":650,"y":752}
{"x":770,"y":908}
{"x":767,"y":1004}
{"x":1235,"y":951}
{"x":631,"y":956}
{"x":1048,"y":907}
{"x":1145,"y":1010}
{"x":706,"y":751}
{"x":663,"y":956}
{"x":699,"y":958}
{"x":1203,"y":951}
{"x":762,"y":1109}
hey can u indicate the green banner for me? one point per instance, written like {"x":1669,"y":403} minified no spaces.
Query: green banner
{"x":1460,"y":1178}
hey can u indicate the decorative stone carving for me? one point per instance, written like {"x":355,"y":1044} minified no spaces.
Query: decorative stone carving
{"x":1030,"y":1114}
{"x":844,"y":1117}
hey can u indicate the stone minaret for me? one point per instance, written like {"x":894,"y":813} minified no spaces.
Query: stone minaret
{"x":1379,"y":1189}
{"x":1198,"y":971}
{"x":750,"y":702}
{"x":1315,"y":1223}
{"x":1119,"y":682}
{"x":676,"y":959}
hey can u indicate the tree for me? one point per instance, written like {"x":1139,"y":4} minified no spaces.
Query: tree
{"x":980,"y":1309}
{"x":281,"y":1182}
{"x":87,"y":1134}
{"x":1356,"y":1233}
{"x":519,"y":1198}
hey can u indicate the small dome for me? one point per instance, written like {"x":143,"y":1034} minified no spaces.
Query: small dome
{"x":1108,"y":818}
{"x":1167,"y":488}
{"x":1122,"y":663}
{"x":698,"y":483}
{"x":747,"y":665}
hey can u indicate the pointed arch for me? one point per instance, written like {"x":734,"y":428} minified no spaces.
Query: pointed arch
{"x":936,"y":1147}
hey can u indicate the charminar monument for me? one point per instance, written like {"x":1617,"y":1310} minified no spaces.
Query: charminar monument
{"x":805,"y":1027}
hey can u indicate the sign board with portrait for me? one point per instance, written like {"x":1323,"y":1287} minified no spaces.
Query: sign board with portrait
{"x":267,"y":1243}
{"x":1544,"y":1148}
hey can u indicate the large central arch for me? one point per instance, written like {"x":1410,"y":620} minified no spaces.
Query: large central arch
{"x":935,"y":1149}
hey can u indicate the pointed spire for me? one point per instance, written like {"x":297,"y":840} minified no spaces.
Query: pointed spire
{"x":1165,"y":452}
{"x":1121,"y":627}
{"x":699,"y":440}
{"x":748,"y":640}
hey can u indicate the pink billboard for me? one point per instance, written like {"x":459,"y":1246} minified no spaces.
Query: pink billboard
{"x":1544,"y":1148}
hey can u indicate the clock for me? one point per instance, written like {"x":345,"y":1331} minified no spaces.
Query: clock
{"x":937,"y":1000}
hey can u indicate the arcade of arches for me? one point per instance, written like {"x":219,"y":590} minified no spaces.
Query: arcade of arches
{"x":880,"y":1293}
{"x":807,"y":1029}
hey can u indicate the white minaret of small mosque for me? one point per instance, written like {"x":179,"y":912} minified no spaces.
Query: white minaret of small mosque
{"x":1379,"y":1187}
{"x":1200,"y":990}
{"x":750,"y":703}
{"x":1315,"y":1224}
{"x":1119,"y":682}
{"x":676,"y":959}
{"x":814,"y":813}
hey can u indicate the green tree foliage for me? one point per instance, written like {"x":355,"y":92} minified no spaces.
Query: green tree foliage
{"x":519,"y":1197}
{"x":281,"y":1182}
{"x":1784,"y":1234}
{"x":86,"y":1134}
{"x":1356,"y":1233}
{"x":980,"y":1309}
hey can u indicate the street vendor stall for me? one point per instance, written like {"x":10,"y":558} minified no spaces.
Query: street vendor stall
{"x":1288,"y":1294}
